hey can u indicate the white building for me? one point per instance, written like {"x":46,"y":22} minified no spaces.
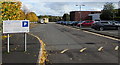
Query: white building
{"x":95,"y":16}
{"x":44,"y":20}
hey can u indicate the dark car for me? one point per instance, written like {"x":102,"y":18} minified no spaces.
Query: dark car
{"x":103,"y":25}
{"x":65,"y":22}
{"x":68,"y":22}
{"x":116,"y":23}
{"x":71,"y":22}
{"x":76,"y":22}
{"x":58,"y":22}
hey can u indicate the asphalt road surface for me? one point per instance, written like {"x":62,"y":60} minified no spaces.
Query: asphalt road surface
{"x":64,"y":44}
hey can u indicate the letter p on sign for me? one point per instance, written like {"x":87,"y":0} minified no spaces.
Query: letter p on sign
{"x":25,"y":24}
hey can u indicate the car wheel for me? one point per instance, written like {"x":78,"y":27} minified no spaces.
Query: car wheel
{"x":101,"y":29}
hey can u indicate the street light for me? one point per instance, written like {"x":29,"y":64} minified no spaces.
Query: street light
{"x":80,"y":6}
{"x":80,"y":12}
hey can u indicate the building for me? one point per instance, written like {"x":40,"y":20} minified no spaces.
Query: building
{"x":44,"y":20}
{"x":84,"y":15}
{"x":95,"y":16}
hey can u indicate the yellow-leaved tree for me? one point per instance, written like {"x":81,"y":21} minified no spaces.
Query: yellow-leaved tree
{"x":11,"y":10}
{"x":32,"y":17}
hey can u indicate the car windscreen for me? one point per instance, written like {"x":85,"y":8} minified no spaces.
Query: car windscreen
{"x":104,"y":22}
{"x":88,"y":21}
{"x":118,"y":22}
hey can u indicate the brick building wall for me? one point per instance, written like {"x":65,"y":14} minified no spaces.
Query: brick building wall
{"x":81,"y":15}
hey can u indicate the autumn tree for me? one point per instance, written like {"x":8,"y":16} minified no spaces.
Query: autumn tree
{"x":22,"y":15}
{"x":11,"y":10}
{"x":32,"y":17}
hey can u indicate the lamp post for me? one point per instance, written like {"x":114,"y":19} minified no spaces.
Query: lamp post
{"x":80,"y":13}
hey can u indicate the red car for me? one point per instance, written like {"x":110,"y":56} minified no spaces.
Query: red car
{"x":86,"y":23}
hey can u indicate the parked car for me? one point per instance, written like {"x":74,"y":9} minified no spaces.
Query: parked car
{"x":79,"y":24}
{"x":86,"y":23}
{"x":71,"y":22}
{"x":68,"y":22}
{"x":65,"y":23}
{"x":75,"y":23}
{"x":59,"y":22}
{"x":116,"y":22}
{"x":103,"y":25}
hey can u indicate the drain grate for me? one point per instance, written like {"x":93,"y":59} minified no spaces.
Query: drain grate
{"x":90,"y":43}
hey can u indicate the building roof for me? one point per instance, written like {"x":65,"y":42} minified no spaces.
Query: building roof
{"x":85,"y":11}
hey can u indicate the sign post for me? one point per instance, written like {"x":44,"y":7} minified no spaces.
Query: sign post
{"x":8,"y":45}
{"x":16,"y":26}
{"x":25,"y":42}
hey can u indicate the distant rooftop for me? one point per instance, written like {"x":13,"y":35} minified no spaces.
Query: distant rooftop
{"x":85,"y":11}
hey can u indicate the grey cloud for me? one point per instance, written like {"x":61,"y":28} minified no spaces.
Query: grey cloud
{"x":59,"y":8}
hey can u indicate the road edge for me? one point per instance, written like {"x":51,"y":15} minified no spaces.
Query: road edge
{"x":42,"y":57}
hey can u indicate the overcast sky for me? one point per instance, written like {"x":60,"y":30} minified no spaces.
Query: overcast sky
{"x":59,"y":7}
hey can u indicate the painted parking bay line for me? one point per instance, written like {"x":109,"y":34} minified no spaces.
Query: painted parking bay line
{"x":100,"y":49}
{"x":116,"y":48}
{"x":82,"y":50}
{"x":64,"y":51}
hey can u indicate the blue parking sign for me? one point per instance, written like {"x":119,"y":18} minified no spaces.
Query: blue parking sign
{"x":24,"y":23}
